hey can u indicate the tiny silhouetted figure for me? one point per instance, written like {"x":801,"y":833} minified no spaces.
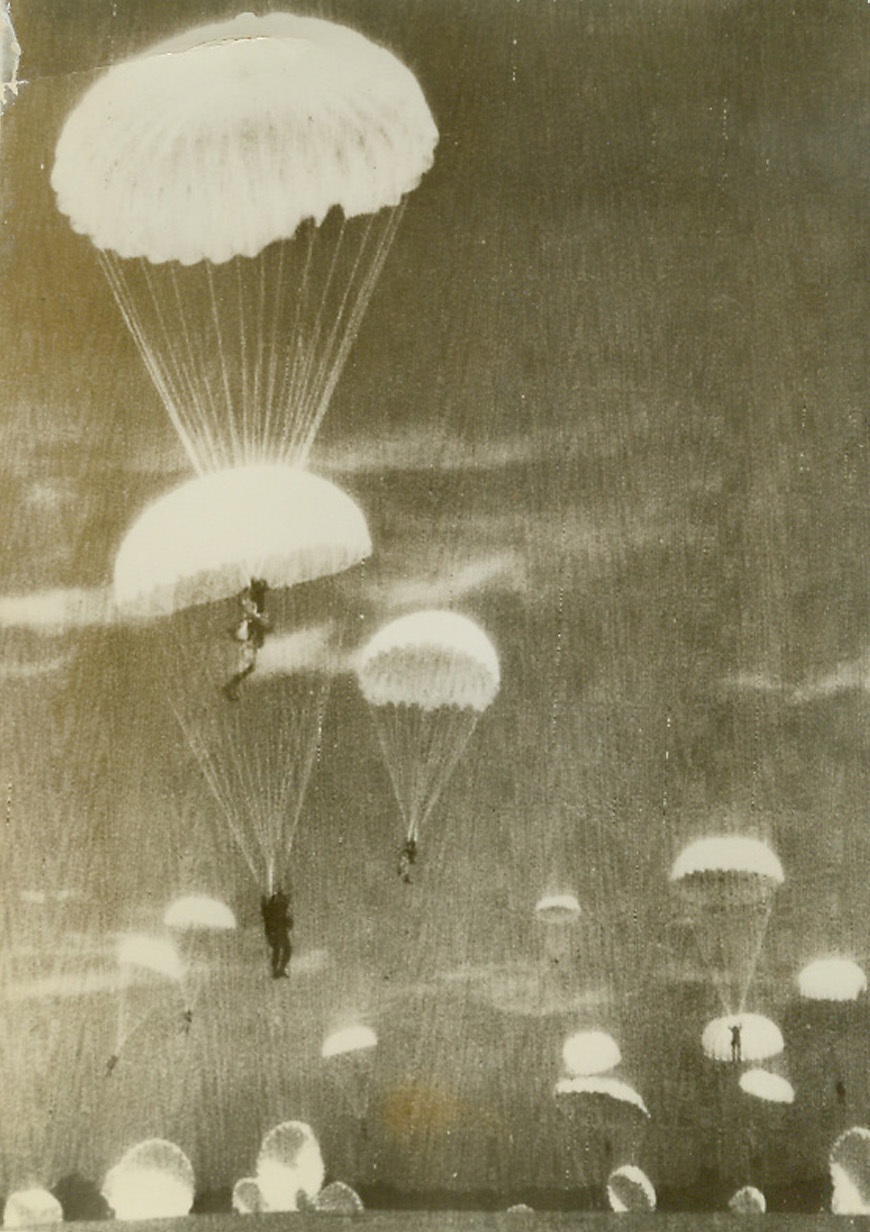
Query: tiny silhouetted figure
{"x":186,"y":1021}
{"x":250,"y":633}
{"x":111,"y":1063}
{"x":840,"y":1088}
{"x":277,"y":922}
{"x":736,"y":1046}
{"x":407,"y":860}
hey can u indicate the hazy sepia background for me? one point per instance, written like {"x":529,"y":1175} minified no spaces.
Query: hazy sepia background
{"x":610,"y":399}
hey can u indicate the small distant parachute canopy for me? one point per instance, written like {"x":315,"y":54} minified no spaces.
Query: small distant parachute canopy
{"x":338,"y":1199}
{"x":154,"y":1180}
{"x":630,"y":1189}
{"x":726,"y":885}
{"x":745,"y":868}
{"x":205,"y":540}
{"x":199,"y":913}
{"x":31,"y":1208}
{"x":427,"y":678}
{"x":151,"y":954}
{"x":772,"y":1088}
{"x":289,"y":1165}
{"x":520,"y":1208}
{"x":748,"y":1201}
{"x":606,"y":1089}
{"x":590,"y":1052}
{"x":557,"y":909}
{"x":430,"y":659}
{"x":348,"y":1040}
{"x":832,"y":979}
{"x":247,"y":1199}
{"x":760,"y":1038}
{"x":849,"y":1164}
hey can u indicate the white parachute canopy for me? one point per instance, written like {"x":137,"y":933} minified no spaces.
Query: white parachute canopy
{"x":832,"y":979}
{"x":31,"y":1208}
{"x":427,"y":678}
{"x":338,"y":1199}
{"x":630,"y":1189}
{"x":725,"y":885}
{"x":762,"y":1084}
{"x":217,"y":174}
{"x":247,"y":1199}
{"x":155,"y":954}
{"x":849,"y":1164}
{"x":747,"y":1201}
{"x":758,"y":1038}
{"x":289,"y":1165}
{"x":348,"y":1040}
{"x":557,"y":908}
{"x":590,"y":1052}
{"x":607,"y":1089}
{"x":154,"y":1180}
{"x":199,"y":913}
{"x":205,"y":540}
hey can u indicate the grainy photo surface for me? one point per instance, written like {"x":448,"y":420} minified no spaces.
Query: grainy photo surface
{"x":434,"y":608}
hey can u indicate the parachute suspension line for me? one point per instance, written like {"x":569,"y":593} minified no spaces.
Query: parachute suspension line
{"x":450,"y":752}
{"x":208,"y":769}
{"x":244,"y":364}
{"x":293,"y":362}
{"x":201,"y":395}
{"x":155,"y":371}
{"x":357,"y":295}
{"x":300,"y":395}
{"x":237,"y":452}
{"x":755,"y":958}
{"x":275,"y":315}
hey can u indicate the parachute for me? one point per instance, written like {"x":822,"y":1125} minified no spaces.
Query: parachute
{"x":607,"y":1092}
{"x":154,"y":1180}
{"x":832,"y":979}
{"x":725,"y":885}
{"x":772,"y":1088}
{"x":242,"y":184}
{"x":289,"y":1166}
{"x":186,"y":559}
{"x":31,"y":1208}
{"x":204,"y":540}
{"x":155,"y":964}
{"x":586,"y":1053}
{"x":760,"y":1038}
{"x":630,"y":1189}
{"x":196,"y":917}
{"x":849,"y":1164}
{"x":349,"y":1053}
{"x":247,"y":1199}
{"x":427,"y":678}
{"x":557,"y":908}
{"x":338,"y":1199}
{"x":748,"y":1201}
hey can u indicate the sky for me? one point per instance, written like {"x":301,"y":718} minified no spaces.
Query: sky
{"x":609,"y":400}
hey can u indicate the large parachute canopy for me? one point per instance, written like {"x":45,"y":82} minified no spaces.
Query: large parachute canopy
{"x":832,"y":979}
{"x":760,"y":1038}
{"x":247,"y":1199}
{"x":849,"y":1164}
{"x":630,"y":1189}
{"x":338,"y":1199}
{"x":590,"y":1052}
{"x":289,"y":1165}
{"x":725,"y":885}
{"x":154,"y":1180}
{"x":427,"y":678}
{"x":772,"y":1088}
{"x":242,"y":185}
{"x":206,"y":539}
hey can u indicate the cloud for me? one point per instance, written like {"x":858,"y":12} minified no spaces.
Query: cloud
{"x":59,"y":610}
{"x":436,"y":448}
{"x":851,"y":676}
{"x":500,"y":571}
